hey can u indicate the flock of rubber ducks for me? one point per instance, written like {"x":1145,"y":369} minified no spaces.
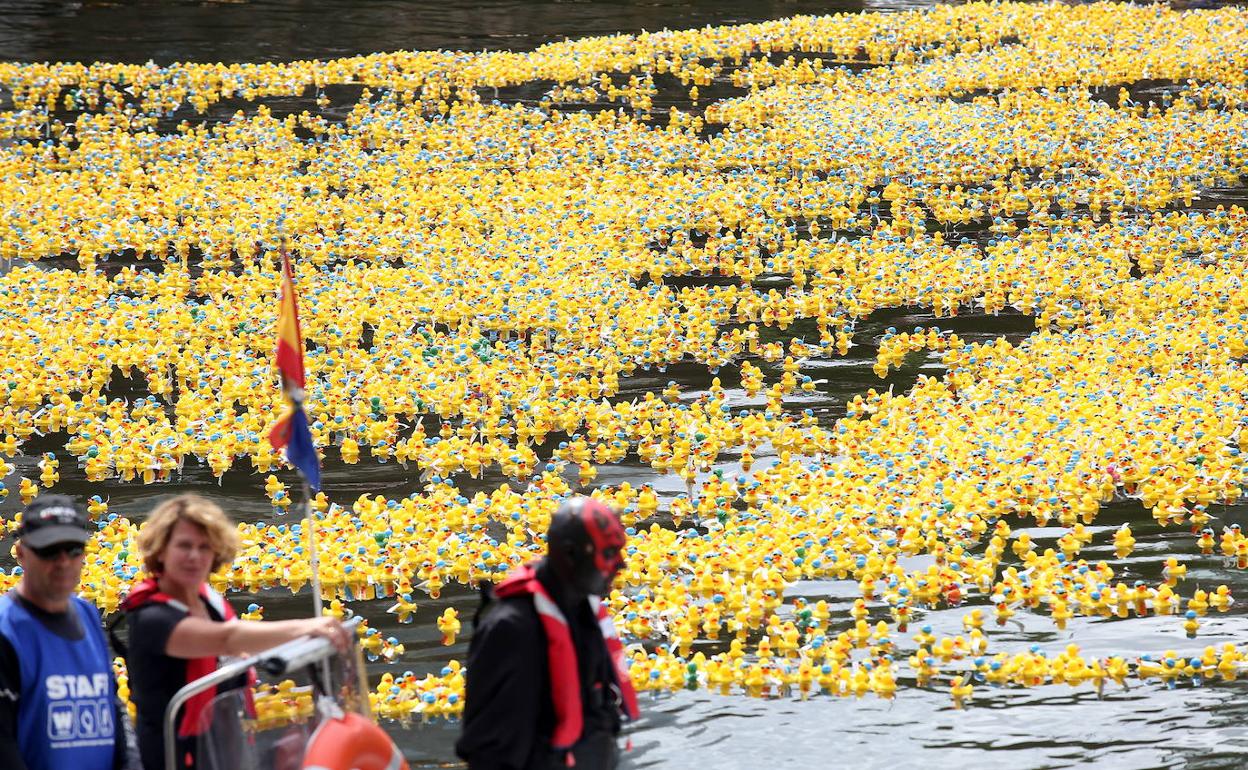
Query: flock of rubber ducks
{"x":479,"y":279}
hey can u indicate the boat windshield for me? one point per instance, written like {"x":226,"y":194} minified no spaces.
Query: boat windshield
{"x":268,"y":726}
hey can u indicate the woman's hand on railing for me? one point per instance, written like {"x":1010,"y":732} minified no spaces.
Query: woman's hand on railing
{"x":329,"y":628}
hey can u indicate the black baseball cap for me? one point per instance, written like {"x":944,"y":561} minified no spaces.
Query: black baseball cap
{"x":53,"y":519}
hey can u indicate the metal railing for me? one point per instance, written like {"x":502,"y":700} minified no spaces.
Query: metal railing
{"x":294,"y":655}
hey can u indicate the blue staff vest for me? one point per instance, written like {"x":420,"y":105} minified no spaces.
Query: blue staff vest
{"x":65,"y":715}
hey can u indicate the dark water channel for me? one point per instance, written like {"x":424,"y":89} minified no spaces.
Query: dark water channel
{"x":1053,"y":726}
{"x":166,"y":31}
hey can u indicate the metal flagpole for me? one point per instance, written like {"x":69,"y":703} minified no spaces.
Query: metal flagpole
{"x":318,"y":606}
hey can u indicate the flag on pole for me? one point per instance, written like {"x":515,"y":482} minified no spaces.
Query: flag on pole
{"x":291,"y":429}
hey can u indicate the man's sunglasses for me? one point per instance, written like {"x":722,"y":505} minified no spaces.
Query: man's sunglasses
{"x":50,"y":552}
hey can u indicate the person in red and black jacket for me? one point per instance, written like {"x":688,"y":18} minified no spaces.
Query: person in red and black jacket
{"x":546,"y":680}
{"x":179,"y":627}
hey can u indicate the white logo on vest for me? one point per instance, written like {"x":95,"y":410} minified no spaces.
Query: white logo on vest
{"x":77,"y":714}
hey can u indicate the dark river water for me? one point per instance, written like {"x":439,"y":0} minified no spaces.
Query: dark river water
{"x":1147,"y":725}
{"x":283,"y":30}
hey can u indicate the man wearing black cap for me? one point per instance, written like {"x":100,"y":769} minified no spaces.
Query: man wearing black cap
{"x":58,"y":699}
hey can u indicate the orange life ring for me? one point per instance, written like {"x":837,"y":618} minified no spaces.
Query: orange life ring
{"x":352,"y":743}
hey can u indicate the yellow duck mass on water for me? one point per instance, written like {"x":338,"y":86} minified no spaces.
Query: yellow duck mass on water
{"x":477,"y":280}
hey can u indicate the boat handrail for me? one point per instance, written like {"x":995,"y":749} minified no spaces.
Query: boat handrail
{"x":288,"y":656}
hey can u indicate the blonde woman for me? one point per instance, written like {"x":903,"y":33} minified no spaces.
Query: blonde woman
{"x":179,"y":626}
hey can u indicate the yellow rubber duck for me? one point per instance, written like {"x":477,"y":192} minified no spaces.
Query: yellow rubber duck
{"x":1191,"y":624}
{"x":448,"y":624}
{"x":272,"y":486}
{"x":1221,"y":599}
{"x":97,"y":507}
{"x":1173,"y":571}
{"x":48,"y":470}
{"x":1123,"y":542}
{"x":403,"y":607}
{"x":28,"y":490}
{"x":962,"y":690}
{"x":1199,"y":603}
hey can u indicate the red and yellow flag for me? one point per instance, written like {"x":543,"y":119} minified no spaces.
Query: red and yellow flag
{"x":289,"y":338}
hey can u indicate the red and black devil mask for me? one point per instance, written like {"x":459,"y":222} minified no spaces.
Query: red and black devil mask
{"x":586,"y":540}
